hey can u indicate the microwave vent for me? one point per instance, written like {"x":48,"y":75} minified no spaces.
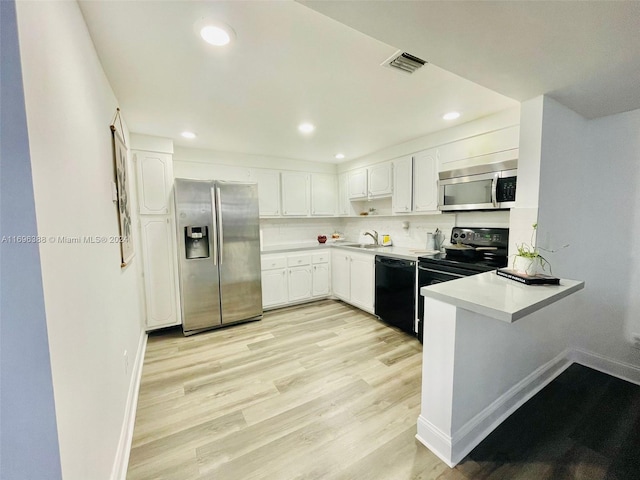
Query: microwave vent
{"x":404,"y":62}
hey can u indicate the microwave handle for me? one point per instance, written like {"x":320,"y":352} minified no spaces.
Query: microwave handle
{"x":494,"y":191}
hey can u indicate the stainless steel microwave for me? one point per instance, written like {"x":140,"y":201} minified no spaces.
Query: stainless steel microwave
{"x":481,"y":187}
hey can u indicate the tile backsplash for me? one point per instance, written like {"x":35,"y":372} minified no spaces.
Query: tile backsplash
{"x":302,"y":231}
{"x":414,"y":236}
{"x":288,"y":231}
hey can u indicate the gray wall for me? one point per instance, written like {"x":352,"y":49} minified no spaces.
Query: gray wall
{"x":29,"y":440}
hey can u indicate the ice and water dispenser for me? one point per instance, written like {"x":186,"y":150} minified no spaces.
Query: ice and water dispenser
{"x":196,"y":241}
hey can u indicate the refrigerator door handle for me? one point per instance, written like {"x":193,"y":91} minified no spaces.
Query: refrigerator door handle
{"x":214,"y":237}
{"x":221,"y":236}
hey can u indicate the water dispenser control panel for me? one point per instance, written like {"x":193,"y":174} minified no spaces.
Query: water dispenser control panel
{"x":196,"y":242}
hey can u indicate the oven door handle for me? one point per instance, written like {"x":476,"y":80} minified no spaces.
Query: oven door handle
{"x":441,"y":272}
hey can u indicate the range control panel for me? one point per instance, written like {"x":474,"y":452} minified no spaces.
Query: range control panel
{"x":481,"y":237}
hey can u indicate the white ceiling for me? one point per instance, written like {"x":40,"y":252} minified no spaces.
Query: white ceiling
{"x":585,"y":54}
{"x":290,"y":63}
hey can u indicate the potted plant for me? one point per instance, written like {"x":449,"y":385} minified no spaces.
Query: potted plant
{"x":528,"y":259}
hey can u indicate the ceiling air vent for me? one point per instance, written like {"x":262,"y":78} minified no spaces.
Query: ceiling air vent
{"x":405,"y":62}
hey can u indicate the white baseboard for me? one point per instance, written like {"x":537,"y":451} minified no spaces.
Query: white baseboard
{"x":435,"y":440}
{"x":453,"y":449}
{"x":121,"y":462}
{"x":615,"y":368}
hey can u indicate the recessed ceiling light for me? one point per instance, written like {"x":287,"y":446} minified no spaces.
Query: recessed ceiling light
{"x":306,"y":127}
{"x":451,"y":115}
{"x":188,"y":134}
{"x":339,"y":156}
{"x":216,"y":33}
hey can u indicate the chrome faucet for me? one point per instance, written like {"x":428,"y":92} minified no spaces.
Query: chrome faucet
{"x":373,"y":235}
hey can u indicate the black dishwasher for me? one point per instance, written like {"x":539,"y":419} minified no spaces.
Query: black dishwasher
{"x":396,"y":292}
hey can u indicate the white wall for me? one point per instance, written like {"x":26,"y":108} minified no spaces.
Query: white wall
{"x":28,"y":437}
{"x":501,"y":120}
{"x":93,"y":307}
{"x":590,"y":199}
{"x":197,"y":163}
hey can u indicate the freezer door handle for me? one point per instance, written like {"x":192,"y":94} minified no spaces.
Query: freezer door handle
{"x":214,"y":237}
{"x":221,"y":232}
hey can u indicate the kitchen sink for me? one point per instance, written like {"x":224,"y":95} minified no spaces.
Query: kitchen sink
{"x":362,"y":245}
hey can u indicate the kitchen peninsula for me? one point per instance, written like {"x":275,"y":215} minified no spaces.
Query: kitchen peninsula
{"x":479,"y":366}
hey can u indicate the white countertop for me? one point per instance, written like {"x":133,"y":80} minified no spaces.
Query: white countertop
{"x":392,"y":251}
{"x":499,"y":297}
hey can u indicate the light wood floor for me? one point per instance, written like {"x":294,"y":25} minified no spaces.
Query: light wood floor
{"x":317,"y":391}
{"x":325,"y":391}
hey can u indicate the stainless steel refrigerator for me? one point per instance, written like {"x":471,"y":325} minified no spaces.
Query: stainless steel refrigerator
{"x":219,"y":253}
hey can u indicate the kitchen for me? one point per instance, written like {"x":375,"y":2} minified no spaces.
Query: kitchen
{"x":93,"y":310}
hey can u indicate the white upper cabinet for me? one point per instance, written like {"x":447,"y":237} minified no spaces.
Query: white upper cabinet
{"x":295,"y":194}
{"x":380,"y":178}
{"x":489,"y":147}
{"x":425,"y":181}
{"x":402,"y":199}
{"x":357,"y":182}
{"x":323,"y":194}
{"x":155,"y":179}
{"x":268,"y":191}
{"x":344,"y":207}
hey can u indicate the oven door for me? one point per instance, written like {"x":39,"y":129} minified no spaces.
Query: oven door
{"x":430,"y":274}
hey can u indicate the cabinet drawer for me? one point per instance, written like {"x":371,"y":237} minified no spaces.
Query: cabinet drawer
{"x":320,"y":257}
{"x":270,"y":263}
{"x":295,"y":260}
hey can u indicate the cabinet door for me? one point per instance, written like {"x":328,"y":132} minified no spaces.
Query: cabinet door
{"x":300,"y":283}
{"x":401,"y":200}
{"x":344,"y":205}
{"x":160,"y":279}
{"x":321,"y":279}
{"x":380,"y":180}
{"x":295,"y":193}
{"x":425,"y":181}
{"x":323,"y":194}
{"x":155,"y":179}
{"x":340,"y":274}
{"x":274,"y":287}
{"x":268,"y":191}
{"x":362,"y":281}
{"x":358,"y":183}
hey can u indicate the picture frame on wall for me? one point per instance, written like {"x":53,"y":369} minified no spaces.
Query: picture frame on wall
{"x":123,"y":198}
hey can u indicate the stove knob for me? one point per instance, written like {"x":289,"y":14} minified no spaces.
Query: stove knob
{"x":462,"y":235}
{"x":455,"y":235}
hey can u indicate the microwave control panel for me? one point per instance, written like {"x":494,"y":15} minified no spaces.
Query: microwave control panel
{"x":506,"y":189}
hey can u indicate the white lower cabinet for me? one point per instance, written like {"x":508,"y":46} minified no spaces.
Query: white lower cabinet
{"x":353,"y":278}
{"x":274,"y":282}
{"x":294,"y":277}
{"x":362,"y":281}
{"x":340,"y":274}
{"x":321,"y":275}
{"x":300,"y":279}
{"x":160,"y":271}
